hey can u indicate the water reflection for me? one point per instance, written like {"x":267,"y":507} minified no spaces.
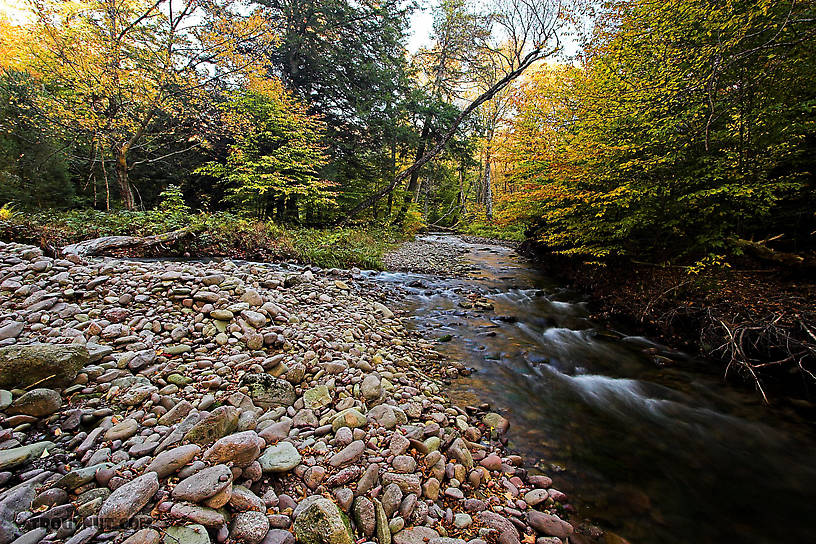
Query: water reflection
{"x":656,"y":454}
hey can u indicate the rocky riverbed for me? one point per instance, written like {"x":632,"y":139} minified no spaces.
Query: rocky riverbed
{"x":189,"y":403}
{"x":427,"y":257}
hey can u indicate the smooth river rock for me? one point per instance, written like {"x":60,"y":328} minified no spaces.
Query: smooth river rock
{"x":127,"y":500}
{"x":281,"y":457}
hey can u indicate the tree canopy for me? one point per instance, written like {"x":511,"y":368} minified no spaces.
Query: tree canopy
{"x":677,"y":128}
{"x":683,"y":126}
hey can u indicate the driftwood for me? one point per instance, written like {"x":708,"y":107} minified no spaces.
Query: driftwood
{"x":105,"y":244}
{"x":761,"y":252}
{"x":432,"y":227}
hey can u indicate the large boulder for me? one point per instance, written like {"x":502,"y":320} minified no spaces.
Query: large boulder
{"x":267,"y":391}
{"x":47,"y":365}
{"x":319,"y":521}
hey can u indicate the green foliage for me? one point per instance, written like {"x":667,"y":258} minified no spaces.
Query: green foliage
{"x":477,"y":224}
{"x":172,"y":201}
{"x":215,"y":234}
{"x":7,"y":212}
{"x":275,"y":158}
{"x":33,"y":165}
{"x":688,"y":124}
{"x":707,"y":263}
{"x":413,"y":223}
{"x":342,"y":247}
{"x":347,"y":61}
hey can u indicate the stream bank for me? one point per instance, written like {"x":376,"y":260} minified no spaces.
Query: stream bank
{"x":154,"y":400}
{"x":754,"y":324}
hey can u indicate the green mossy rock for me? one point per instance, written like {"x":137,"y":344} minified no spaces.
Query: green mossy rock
{"x":47,"y":365}
{"x":319,"y":521}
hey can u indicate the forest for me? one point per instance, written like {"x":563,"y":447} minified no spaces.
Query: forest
{"x":665,"y":136}
{"x":673,"y":132}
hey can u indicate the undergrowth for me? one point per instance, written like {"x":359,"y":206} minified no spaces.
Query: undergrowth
{"x":480,"y":225}
{"x":215,"y":234}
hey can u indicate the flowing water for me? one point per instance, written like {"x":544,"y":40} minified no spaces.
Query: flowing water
{"x":655,"y":453}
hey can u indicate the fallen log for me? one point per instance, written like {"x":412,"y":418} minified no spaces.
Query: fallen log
{"x":762,"y":252}
{"x":439,"y":228}
{"x":105,"y":244}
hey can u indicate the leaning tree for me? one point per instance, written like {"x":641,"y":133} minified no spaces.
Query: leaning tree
{"x":520,"y":32}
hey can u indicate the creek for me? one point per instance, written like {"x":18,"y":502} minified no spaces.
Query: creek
{"x":647,"y":442}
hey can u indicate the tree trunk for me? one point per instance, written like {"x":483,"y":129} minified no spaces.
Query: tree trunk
{"x":488,"y":190}
{"x":462,"y":205}
{"x":426,"y":190}
{"x":393,"y":172}
{"x":280,"y":208}
{"x":125,"y":190}
{"x":292,"y":211}
{"x":488,"y":195}
{"x":375,"y":209}
{"x":106,"y":244}
{"x":413,"y":181}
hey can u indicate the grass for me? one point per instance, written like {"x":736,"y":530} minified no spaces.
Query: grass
{"x":343,"y":247}
{"x":481,"y":226}
{"x":216,"y":234}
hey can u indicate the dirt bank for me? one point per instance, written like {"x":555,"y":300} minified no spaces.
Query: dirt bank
{"x":756,"y":323}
